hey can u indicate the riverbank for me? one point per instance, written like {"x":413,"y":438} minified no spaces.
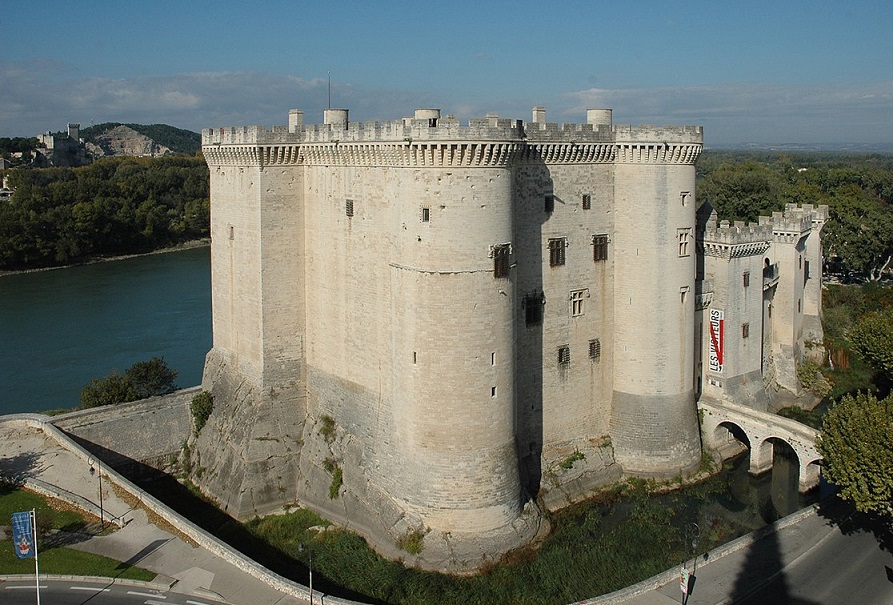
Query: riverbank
{"x":198,"y":243}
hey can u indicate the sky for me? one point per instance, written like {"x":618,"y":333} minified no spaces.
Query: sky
{"x":749,"y":72}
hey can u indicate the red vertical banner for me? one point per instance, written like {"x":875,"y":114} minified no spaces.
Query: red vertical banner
{"x":717,"y":329}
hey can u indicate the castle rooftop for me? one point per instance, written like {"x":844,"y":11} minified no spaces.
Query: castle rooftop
{"x":427,"y":125}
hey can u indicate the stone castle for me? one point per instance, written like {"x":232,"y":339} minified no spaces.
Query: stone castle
{"x":420,"y":326}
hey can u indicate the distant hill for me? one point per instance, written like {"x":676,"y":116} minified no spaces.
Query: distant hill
{"x":115,"y":138}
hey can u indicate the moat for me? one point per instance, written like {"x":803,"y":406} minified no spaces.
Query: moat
{"x":616,"y":539}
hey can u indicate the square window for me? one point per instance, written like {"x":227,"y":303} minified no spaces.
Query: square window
{"x":348,"y":207}
{"x":599,"y":247}
{"x":549,"y":203}
{"x":426,"y":215}
{"x":501,"y":261}
{"x":564,"y":355}
{"x":533,"y":308}
{"x":587,"y":201}
{"x":595,"y":349}
{"x":684,"y":240}
{"x":556,"y":251}
{"x":577,"y":297}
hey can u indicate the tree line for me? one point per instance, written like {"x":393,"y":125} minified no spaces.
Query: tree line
{"x":114,"y":206}
{"x":858,"y":189}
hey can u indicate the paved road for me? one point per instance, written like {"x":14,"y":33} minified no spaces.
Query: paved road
{"x":63,"y":592}
{"x":829,"y":557}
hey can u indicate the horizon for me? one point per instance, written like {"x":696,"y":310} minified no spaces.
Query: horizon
{"x":757,"y":74}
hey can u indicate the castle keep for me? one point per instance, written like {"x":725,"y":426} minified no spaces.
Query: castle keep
{"x":420,"y":324}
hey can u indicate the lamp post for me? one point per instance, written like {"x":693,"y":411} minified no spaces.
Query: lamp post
{"x":310,"y":568}
{"x":92,"y":472}
{"x":692,"y":533}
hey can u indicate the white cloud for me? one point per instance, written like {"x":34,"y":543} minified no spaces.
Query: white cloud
{"x":44,"y":96}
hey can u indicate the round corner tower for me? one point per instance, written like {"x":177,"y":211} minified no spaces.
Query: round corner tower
{"x":654,"y":424}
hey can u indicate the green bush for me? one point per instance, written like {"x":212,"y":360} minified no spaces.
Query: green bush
{"x":811,"y":378}
{"x":327,"y":430}
{"x":334,"y":469}
{"x":412,"y":542}
{"x":202,"y":405}
{"x":569,"y":461}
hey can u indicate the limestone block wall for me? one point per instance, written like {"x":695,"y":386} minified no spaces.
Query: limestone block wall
{"x":148,"y":431}
{"x":562,"y":405}
{"x":654,"y":422}
{"x":732,"y":329}
{"x":788,"y":251}
{"x":404,"y":301}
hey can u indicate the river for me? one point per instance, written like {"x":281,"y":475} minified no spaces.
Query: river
{"x":62,"y":328}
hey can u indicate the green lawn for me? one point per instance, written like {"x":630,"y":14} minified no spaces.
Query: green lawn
{"x":56,"y":560}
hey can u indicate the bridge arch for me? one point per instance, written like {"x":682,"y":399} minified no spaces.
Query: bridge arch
{"x":723,"y":422}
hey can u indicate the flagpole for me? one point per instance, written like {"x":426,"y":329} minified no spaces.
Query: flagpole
{"x":34,"y":538}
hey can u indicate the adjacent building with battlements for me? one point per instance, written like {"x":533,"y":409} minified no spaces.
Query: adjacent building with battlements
{"x":422,"y":325}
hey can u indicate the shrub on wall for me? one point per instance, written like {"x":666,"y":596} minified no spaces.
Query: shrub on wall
{"x":202,"y":406}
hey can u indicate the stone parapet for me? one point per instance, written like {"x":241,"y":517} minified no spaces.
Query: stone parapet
{"x":433,"y":141}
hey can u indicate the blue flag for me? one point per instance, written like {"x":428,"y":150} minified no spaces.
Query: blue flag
{"x":23,"y":534}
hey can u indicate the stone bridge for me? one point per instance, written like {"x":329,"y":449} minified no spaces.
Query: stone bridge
{"x":724,"y":424}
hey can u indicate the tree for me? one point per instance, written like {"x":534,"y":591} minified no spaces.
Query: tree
{"x":110,"y":390}
{"x":856,"y":443}
{"x":872,"y":338}
{"x":150,"y":378}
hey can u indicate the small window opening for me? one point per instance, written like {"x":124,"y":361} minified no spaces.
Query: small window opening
{"x":685,"y":197}
{"x":577,"y":297}
{"x":684,"y":237}
{"x":232,"y":232}
{"x":595,"y":349}
{"x":533,"y":308}
{"x":556,"y":251}
{"x":745,"y":278}
{"x":348,"y":207}
{"x":745,"y":330}
{"x":432,"y":122}
{"x":492,"y":391}
{"x":599,"y":247}
{"x":587,"y":201}
{"x":414,"y":357}
{"x":493,"y":358}
{"x":564,"y":355}
{"x":426,"y":215}
{"x":501,"y":261}
{"x":550,"y":203}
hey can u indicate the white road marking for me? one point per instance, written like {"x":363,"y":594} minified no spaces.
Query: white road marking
{"x":90,"y":588}
{"x":196,"y":603}
{"x":32,"y":587}
{"x":146,"y":594}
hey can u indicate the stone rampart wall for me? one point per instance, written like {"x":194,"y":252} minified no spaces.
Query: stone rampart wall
{"x":147,"y":431}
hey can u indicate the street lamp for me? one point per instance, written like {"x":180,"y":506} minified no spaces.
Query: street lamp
{"x":309,"y":552}
{"x":93,"y":472}
{"x":692,"y":533}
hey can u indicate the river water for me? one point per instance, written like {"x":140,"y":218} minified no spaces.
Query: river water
{"x":62,"y":328}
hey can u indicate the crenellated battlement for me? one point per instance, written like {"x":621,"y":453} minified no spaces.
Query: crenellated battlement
{"x":727,"y":240}
{"x":731,"y":240}
{"x":795,"y":221}
{"x":443,"y":141}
